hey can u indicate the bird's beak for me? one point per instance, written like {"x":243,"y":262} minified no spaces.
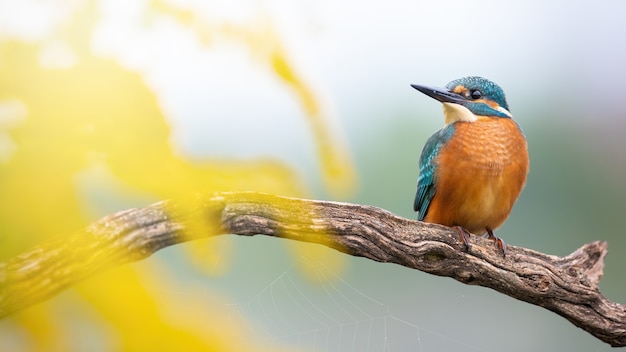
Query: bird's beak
{"x":441,"y":94}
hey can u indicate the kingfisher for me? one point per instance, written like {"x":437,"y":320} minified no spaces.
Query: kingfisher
{"x":473,"y":169}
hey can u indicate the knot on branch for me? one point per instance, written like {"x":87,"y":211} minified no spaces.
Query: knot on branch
{"x":537,"y":282}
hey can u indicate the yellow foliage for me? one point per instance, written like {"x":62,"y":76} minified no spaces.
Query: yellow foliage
{"x":82,"y":113}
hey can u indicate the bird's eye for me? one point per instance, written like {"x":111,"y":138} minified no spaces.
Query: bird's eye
{"x":476,"y":94}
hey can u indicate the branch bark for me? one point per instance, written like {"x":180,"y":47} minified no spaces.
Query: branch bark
{"x":567,"y":285}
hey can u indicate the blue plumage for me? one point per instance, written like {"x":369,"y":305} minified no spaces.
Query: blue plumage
{"x":482,"y":109}
{"x":427,"y":164}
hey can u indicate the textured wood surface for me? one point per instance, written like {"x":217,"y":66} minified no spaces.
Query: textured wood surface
{"x":567,"y":285}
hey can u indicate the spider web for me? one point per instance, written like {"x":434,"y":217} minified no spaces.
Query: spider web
{"x":331,"y":315}
{"x":376,"y":307}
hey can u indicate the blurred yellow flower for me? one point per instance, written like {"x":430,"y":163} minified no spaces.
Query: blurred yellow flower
{"x":69,"y":118}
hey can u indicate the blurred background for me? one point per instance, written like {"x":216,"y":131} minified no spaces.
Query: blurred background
{"x":112,"y":104}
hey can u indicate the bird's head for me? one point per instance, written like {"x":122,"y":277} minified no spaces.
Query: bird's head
{"x":469,"y":98}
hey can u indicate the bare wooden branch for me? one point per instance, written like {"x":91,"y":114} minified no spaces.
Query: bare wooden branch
{"x":567,"y":285}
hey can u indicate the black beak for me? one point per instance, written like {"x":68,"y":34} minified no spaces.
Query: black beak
{"x":441,"y":94}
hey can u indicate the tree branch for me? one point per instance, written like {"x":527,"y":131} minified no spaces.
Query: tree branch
{"x":567,"y":286}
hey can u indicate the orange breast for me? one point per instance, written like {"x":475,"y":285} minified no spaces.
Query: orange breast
{"x":480,"y":173}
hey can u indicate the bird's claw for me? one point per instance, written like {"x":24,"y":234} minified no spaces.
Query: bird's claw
{"x":464,"y":235}
{"x":498,"y":241}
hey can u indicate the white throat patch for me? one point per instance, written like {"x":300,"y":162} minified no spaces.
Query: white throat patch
{"x":455,"y":112}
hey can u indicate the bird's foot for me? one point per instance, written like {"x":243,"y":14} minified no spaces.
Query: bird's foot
{"x":464,"y":235}
{"x":498,"y":241}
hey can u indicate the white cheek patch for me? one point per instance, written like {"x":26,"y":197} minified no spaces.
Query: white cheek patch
{"x":455,"y":112}
{"x":504,"y":111}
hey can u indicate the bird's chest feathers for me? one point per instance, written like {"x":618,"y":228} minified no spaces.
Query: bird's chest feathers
{"x":484,"y":164}
{"x":485,"y":146}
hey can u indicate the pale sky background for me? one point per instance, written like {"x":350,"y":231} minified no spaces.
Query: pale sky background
{"x":360,"y":56}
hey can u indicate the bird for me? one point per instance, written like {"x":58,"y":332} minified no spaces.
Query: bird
{"x":472,"y":170}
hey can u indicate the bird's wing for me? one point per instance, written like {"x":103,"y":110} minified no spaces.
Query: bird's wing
{"x":426,"y":182}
